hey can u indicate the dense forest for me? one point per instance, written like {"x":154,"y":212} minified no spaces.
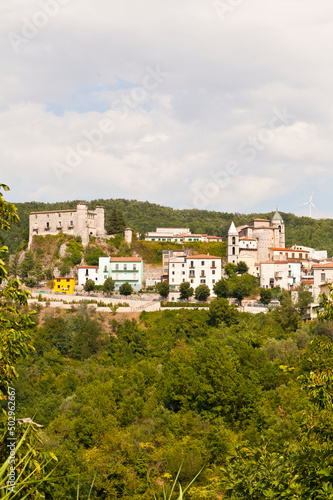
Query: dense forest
{"x":107,"y":406}
{"x":145,"y":216}
{"x":240,"y":399}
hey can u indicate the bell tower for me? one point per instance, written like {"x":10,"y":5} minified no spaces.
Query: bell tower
{"x":233,"y":245}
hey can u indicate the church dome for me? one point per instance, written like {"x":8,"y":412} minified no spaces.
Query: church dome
{"x":277,"y":217}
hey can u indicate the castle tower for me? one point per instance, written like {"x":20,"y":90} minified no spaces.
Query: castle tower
{"x":233,"y":245}
{"x":279,"y":230}
{"x":100,"y":219}
{"x":82,"y":223}
{"x":128,"y":233}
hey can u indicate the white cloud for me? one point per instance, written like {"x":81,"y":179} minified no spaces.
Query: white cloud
{"x":224,"y":79}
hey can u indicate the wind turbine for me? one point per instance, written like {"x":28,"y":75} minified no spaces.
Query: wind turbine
{"x":309,"y":203}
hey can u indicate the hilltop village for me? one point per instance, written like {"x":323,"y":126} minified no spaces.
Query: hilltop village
{"x":257,"y":248}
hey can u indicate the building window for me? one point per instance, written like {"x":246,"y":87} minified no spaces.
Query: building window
{"x":36,"y":216}
{"x":202,"y":262}
{"x":134,"y":267}
{"x":173,"y":280}
{"x":213,"y":281}
{"x":233,"y":240}
{"x":192,"y":281}
{"x":183,"y":280}
{"x":322,"y":277}
{"x":213,"y":271}
{"x":301,"y":256}
{"x":105,"y":269}
{"x":203,"y":281}
{"x":59,"y":223}
{"x":87,"y":272}
{"x":173,"y":272}
{"x":183,"y":265}
{"x":117,"y":267}
{"x":233,"y":251}
{"x":192,"y":263}
{"x":48,"y":225}
{"x":71,"y":223}
{"x":105,"y":276}
{"x":183,"y":272}
{"x":173,"y":265}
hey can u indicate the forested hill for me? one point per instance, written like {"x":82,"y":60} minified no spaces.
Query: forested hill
{"x":145,"y":216}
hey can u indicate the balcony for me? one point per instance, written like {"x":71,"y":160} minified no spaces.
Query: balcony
{"x":202,"y":276}
{"x":213,"y":267}
{"x":59,"y":228}
{"x":47,"y":228}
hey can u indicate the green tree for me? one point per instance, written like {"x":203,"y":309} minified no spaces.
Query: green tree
{"x":242,"y":267}
{"x":221,"y":311}
{"x":89,"y":286}
{"x":326,"y":310}
{"x":239,"y":291}
{"x":93,"y":254}
{"x":109,"y":285}
{"x":115,"y":223}
{"x":163,"y":289}
{"x":126,"y":289}
{"x":202,"y":292}
{"x":15,"y":343}
{"x":186,"y":291}
{"x":221,"y":288}
{"x":28,"y":264}
{"x":265,"y":295}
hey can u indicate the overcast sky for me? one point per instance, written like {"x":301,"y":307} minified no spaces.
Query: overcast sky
{"x":222,"y":105}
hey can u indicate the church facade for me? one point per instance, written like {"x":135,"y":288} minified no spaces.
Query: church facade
{"x":251,"y":243}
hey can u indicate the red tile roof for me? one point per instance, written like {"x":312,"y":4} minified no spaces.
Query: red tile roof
{"x":328,"y":264}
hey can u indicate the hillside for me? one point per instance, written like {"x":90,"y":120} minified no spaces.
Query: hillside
{"x":145,"y":216}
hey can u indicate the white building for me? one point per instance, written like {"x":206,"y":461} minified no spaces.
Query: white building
{"x":197,"y":270}
{"x":179,"y":235}
{"x":284,"y":274}
{"x":313,"y":254}
{"x":322,"y":274}
{"x":86,"y":273}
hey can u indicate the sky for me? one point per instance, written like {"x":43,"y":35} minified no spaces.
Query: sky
{"x":210,"y":104}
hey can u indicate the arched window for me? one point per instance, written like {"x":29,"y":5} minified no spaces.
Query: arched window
{"x":280,"y":229}
{"x":233,"y":240}
{"x":233,"y":251}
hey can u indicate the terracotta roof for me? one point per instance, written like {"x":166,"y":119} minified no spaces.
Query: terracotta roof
{"x":125,"y":259}
{"x":266,"y":220}
{"x":203,"y":257}
{"x":64,"y":278}
{"x":328,"y":265}
{"x":85,"y":267}
{"x":248,"y":239}
{"x":310,"y":282}
{"x":288,"y":250}
{"x":274,"y":262}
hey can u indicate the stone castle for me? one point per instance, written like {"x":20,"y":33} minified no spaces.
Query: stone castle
{"x":77,"y":222}
{"x":251,"y":243}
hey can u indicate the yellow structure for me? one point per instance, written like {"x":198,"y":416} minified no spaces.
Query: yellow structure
{"x":64,"y":285}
